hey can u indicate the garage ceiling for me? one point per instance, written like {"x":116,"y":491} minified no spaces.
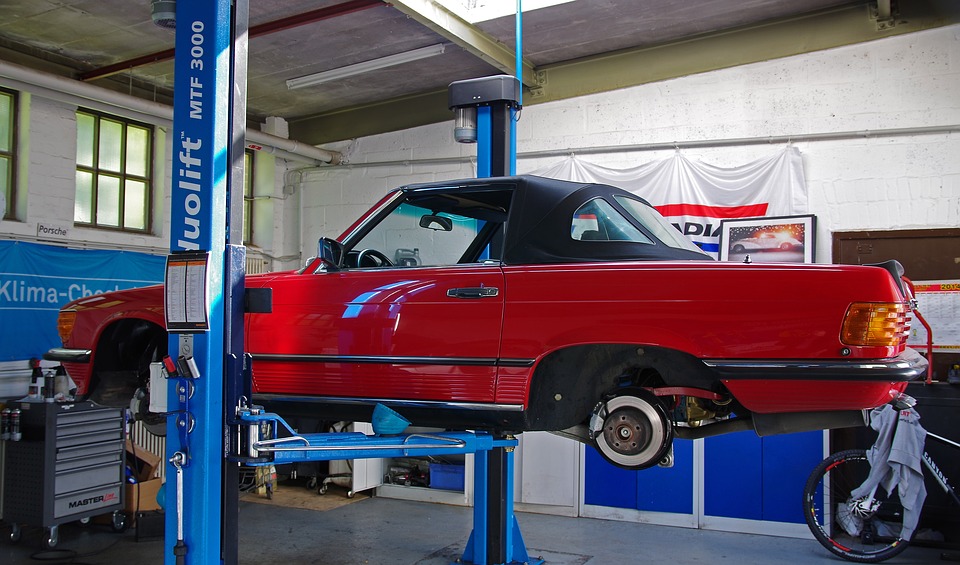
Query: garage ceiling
{"x":569,"y":49}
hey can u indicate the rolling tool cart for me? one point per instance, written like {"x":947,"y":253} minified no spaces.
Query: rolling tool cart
{"x":67,"y":464}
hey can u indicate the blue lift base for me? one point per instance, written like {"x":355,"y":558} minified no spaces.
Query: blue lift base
{"x":269,"y":440}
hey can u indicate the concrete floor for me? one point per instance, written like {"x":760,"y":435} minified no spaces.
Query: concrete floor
{"x":381,"y":531}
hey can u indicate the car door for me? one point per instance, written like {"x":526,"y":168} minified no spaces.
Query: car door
{"x":422,"y":333}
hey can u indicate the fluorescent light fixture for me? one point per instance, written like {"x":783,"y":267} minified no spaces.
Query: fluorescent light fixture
{"x":365,"y":67}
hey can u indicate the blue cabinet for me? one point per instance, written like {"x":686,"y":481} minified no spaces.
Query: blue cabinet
{"x":733,"y":478}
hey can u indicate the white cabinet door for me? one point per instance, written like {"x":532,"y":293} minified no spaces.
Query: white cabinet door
{"x":547,"y":471}
{"x":365,"y":474}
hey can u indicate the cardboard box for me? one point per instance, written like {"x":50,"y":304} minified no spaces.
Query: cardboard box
{"x":141,"y":497}
{"x":144,"y":463}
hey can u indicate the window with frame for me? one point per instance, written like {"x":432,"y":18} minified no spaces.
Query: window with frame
{"x":114,"y":165}
{"x":247,"y":197}
{"x":8,"y":152}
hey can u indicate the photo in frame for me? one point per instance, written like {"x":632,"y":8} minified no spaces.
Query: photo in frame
{"x":782,"y":239}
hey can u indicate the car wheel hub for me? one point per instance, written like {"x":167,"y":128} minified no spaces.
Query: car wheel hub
{"x":632,"y":430}
{"x":626,"y":431}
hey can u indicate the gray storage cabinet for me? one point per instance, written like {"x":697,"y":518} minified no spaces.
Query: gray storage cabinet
{"x":69,"y":465}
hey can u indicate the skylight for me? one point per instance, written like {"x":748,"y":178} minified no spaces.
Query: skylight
{"x":474,"y":11}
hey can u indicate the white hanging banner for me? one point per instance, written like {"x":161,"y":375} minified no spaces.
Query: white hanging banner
{"x":695,"y":196}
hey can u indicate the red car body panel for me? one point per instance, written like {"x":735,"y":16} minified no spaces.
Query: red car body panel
{"x":546,"y":320}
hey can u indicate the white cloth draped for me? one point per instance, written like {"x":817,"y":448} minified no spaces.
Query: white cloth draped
{"x":695,"y":196}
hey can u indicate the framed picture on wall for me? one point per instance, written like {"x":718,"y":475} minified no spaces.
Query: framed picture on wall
{"x":783,"y":239}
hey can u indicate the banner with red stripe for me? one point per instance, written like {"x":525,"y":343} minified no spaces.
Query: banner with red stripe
{"x":695,"y":196}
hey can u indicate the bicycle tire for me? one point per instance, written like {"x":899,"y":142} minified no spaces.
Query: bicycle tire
{"x":828,"y":486}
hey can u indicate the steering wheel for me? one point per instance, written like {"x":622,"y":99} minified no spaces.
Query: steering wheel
{"x":381,"y":260}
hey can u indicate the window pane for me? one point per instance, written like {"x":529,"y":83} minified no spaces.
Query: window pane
{"x":134,"y":205}
{"x":83,"y":206}
{"x":657,"y":224}
{"x":113,"y":171}
{"x":597,"y":220}
{"x":5,"y":193}
{"x":111,"y":145}
{"x":137,"y":147}
{"x":85,"y":139}
{"x":247,"y":215}
{"x":6,"y":122}
{"x":248,"y":175}
{"x":247,"y":197}
{"x":108,"y":201}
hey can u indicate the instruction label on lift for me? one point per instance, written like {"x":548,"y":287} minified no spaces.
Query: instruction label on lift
{"x":185,"y":293}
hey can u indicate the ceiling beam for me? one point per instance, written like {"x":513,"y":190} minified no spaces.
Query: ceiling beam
{"x":829,"y":29}
{"x":474,"y":40}
{"x":633,"y":67}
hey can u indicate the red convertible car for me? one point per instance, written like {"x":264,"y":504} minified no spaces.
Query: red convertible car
{"x":524,"y":303}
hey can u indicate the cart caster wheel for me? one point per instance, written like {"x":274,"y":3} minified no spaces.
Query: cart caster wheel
{"x":16,"y":533}
{"x":322,"y":490}
{"x":119,"y":521}
{"x":351,"y":494}
{"x":312,"y":483}
{"x":52,"y":538}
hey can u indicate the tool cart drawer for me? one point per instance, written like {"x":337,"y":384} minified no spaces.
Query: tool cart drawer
{"x":87,"y":502}
{"x":88,"y":476}
{"x":89,"y":449}
{"x":84,"y":428}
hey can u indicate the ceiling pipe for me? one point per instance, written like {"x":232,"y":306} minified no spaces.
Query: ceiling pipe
{"x":267,"y":28}
{"x":72,"y":91}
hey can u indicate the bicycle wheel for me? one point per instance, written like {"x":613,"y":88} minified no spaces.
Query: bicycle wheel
{"x":864,"y":537}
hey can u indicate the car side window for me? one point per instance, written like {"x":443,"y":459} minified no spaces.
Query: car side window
{"x":597,"y":220}
{"x":412,"y":236}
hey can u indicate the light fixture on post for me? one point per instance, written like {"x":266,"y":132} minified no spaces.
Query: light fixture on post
{"x":164,"y":13}
{"x":365,"y":67}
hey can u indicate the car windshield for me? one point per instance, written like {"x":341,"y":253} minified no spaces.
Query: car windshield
{"x":657,"y":224}
{"x":438,"y":229}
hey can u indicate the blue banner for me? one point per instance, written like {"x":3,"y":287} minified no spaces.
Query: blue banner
{"x":35,"y":280}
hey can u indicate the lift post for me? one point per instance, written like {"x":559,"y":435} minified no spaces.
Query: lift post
{"x":485,"y":113}
{"x":194,"y":281}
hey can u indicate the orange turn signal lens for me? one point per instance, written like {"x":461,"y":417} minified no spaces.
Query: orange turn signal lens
{"x":65,"y":323}
{"x":884,"y":324}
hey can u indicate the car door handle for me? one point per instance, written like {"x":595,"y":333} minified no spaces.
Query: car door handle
{"x":473,"y":292}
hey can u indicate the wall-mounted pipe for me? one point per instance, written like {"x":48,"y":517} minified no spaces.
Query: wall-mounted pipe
{"x":75,"y":92}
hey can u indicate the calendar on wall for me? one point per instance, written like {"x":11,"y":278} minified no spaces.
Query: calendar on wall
{"x":939,"y":304}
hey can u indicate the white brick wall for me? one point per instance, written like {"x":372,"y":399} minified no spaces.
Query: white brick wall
{"x":876,"y":182}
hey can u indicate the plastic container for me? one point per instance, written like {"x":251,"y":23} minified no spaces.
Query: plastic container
{"x":444,"y":476}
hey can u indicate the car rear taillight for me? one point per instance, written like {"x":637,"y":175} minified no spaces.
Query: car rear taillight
{"x":884,"y":324}
{"x":65,"y":323}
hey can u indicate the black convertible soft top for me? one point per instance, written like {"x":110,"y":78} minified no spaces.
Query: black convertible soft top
{"x":541,"y":210}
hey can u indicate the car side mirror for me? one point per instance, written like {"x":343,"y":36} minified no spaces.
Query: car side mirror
{"x":330,"y":253}
{"x":436,"y":223}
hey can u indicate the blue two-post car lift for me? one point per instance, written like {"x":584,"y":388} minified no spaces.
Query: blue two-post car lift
{"x":266,"y":439}
{"x":205,"y":305}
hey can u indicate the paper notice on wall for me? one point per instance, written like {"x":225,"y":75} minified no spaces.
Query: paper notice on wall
{"x":939,"y":304}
